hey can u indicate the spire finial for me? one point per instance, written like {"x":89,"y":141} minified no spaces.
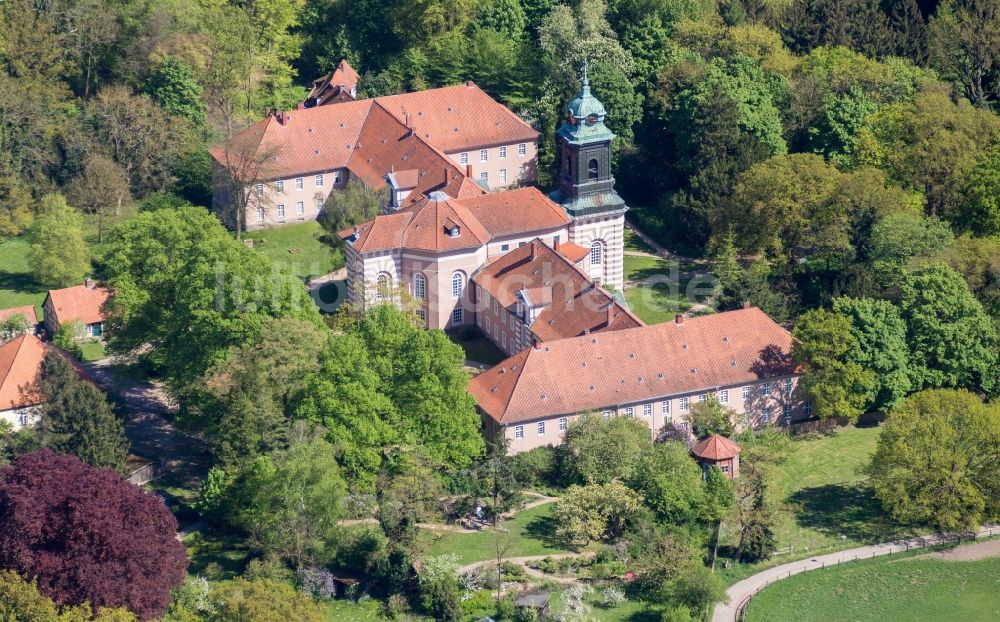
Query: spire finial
{"x":586,"y":80}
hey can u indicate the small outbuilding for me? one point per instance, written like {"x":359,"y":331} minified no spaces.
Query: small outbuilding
{"x":717,"y":450}
{"x":536,"y":601}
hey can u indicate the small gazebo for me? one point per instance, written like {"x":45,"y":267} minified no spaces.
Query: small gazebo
{"x":717,"y":450}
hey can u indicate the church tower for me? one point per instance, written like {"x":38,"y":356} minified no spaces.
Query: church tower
{"x":587,"y":189}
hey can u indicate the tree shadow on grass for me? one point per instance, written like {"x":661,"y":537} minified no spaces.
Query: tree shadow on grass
{"x":849,"y":509}
{"x":543,"y":529}
{"x":20,"y":282}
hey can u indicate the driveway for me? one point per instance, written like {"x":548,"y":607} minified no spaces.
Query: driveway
{"x":740,"y":593}
{"x":148,"y":411}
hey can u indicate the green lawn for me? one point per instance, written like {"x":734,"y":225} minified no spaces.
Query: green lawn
{"x":823,"y":500}
{"x":530,"y":532}
{"x":657,"y":291}
{"x":300,"y":247}
{"x":217,"y":556}
{"x":635,"y":243}
{"x":92,"y":350}
{"x":887,"y":590}
{"x":17,"y":286}
{"x":347,"y":611}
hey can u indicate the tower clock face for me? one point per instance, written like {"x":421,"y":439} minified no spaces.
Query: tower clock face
{"x":591,"y":118}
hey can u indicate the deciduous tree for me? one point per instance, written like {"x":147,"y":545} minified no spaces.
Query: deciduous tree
{"x":87,"y":535}
{"x":932,"y":465}
{"x":58,"y":255}
{"x":594,"y":512}
{"x":596,"y":450}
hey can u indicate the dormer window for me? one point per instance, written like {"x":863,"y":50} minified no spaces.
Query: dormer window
{"x":454,"y":231}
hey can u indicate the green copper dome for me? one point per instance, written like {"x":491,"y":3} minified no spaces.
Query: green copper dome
{"x":585,"y":117}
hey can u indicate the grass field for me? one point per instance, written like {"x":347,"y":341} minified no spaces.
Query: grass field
{"x":887,"y":590}
{"x":530,"y":532}
{"x":823,"y":500}
{"x":635,"y":243}
{"x":17,"y":286}
{"x":300,"y":247}
{"x":657,"y":291}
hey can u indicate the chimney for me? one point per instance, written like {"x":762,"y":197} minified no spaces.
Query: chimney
{"x":534,"y":343}
{"x":746,"y":304}
{"x":300,"y":106}
{"x":611,"y":312}
{"x":532,"y":250}
{"x":88,"y":283}
{"x":679,"y":319}
{"x":446,"y":176}
{"x":468,"y":171}
{"x":555,"y":243}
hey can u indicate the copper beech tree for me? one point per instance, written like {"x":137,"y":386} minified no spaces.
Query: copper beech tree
{"x":87,"y":535}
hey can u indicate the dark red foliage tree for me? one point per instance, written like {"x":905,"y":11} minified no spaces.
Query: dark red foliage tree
{"x":86,"y":534}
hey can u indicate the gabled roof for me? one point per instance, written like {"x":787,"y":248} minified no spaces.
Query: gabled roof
{"x":716,"y":447}
{"x":424,"y":226}
{"x":573,"y":252}
{"x":454,"y":118}
{"x":20,"y":362}
{"x":80,"y":303}
{"x":323,"y":138}
{"x":27,"y":311}
{"x":611,"y":368}
{"x":571,"y":304}
{"x":343,"y":77}
{"x":481,"y":218}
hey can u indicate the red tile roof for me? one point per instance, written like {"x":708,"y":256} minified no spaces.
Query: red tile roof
{"x":456,"y":118}
{"x":481,"y":217}
{"x":323,"y":138}
{"x":342,"y":78}
{"x":516,"y":211}
{"x":20,"y":362}
{"x":27,"y":311}
{"x":572,"y":304}
{"x":79,"y":303}
{"x":628,"y":366}
{"x":716,"y":447}
{"x":573,"y":252}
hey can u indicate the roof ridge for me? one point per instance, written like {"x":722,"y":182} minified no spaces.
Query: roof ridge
{"x":524,"y":364}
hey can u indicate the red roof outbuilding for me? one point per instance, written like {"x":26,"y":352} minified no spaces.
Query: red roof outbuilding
{"x":716,"y":447}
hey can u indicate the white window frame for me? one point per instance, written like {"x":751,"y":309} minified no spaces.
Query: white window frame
{"x":519,"y":431}
{"x":279,"y":186}
{"x":281,"y":211}
{"x":596,"y":253}
{"x":319,"y":203}
{"x":665,"y":407}
{"x":260,"y":189}
{"x":725,"y":468}
{"x":505,"y":247}
{"x":496,"y":307}
{"x":486,"y":324}
{"x":300,"y":208}
{"x":485,"y":176}
{"x":503,"y":340}
{"x":606,"y":413}
{"x":540,"y":428}
{"x":383,"y":287}
{"x":260,"y":215}
{"x":724,"y":396}
{"x":503,"y":176}
{"x":419,"y":286}
{"x":788,"y":385}
{"x":647,"y":410}
{"x":463,"y":158}
{"x":422,"y":314}
{"x":563,"y":423}
{"x":503,"y":152}
{"x":765,"y":389}
{"x":484,"y":155}
{"x":683,"y":405}
{"x":522,"y":149}
{"x":629,"y":411}
{"x":786,"y":412}
{"x":457,"y":316}
{"x":766,"y":415}
{"x":746,"y":393}
{"x":807,"y":407}
{"x":457,"y":285}
{"x":299,"y":183}
{"x":337,"y":178}
{"x":318,"y":180}
{"x":702,"y":398}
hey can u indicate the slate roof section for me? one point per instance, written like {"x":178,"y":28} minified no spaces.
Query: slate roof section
{"x":539,"y":276}
{"x":79,"y":303}
{"x":716,"y":447}
{"x":20,"y":362}
{"x":612,"y":368}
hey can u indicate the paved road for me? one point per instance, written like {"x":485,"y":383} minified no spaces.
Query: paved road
{"x":739,"y":592}
{"x":150,"y":433}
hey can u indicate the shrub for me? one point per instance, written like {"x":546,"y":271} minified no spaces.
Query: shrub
{"x":267,"y":569}
{"x":506,"y":611}
{"x":536,"y":467}
{"x":612,"y":596}
{"x":477,"y":602}
{"x":396,"y":606}
{"x":318,"y":583}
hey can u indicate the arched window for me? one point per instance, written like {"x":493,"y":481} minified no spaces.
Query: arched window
{"x":596,"y":253}
{"x":420,"y":286}
{"x":382,"y":285}
{"x":457,"y":284}
{"x":592,"y":169}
